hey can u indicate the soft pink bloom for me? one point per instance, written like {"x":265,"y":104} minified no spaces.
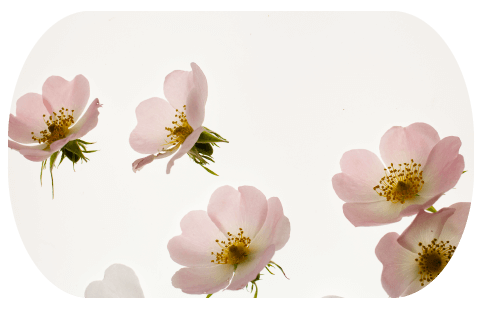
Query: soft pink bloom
{"x":52,"y":119}
{"x":172,"y":126}
{"x":411,"y":261}
{"x":241,"y":227}
{"x":119,"y":281}
{"x":418,"y":168}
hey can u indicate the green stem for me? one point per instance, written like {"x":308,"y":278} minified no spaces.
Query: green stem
{"x":432,"y":209}
{"x":257,"y":289}
{"x":209,"y":295}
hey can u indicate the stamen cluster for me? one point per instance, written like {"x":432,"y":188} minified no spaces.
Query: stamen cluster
{"x":234,"y":251}
{"x":57,"y":127}
{"x":181,"y":129}
{"x":433,"y":258}
{"x":401,"y":184}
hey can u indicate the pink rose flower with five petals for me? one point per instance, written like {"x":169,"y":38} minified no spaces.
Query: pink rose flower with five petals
{"x":228,"y":246}
{"x":175,"y":127}
{"x":414,"y":259}
{"x":419,"y":168}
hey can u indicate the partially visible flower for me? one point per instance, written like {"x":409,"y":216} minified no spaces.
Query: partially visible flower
{"x":119,"y":281}
{"x":229,"y":245}
{"x":175,"y":127}
{"x":52,"y":121}
{"x":414,"y":259}
{"x":332,"y":296}
{"x":420,"y":169}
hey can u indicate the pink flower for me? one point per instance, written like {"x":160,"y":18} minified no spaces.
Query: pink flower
{"x":227,"y":246}
{"x":119,"y":281}
{"x":420,"y":168}
{"x":165,"y":128}
{"x":51,"y":120}
{"x":414,"y":259}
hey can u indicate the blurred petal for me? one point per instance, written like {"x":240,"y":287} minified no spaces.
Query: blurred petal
{"x":58,"y":92}
{"x":177,"y":86}
{"x":119,"y":281}
{"x":197,"y":242}
{"x":186,"y":146}
{"x":400,"y":145}
{"x":150,"y":136}
{"x":203,"y":280}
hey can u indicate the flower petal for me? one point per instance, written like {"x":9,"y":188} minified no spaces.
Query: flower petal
{"x":32,"y":153}
{"x":153,"y":116}
{"x":361,"y":171}
{"x":399,"y":266}
{"x":444,"y":167}
{"x":419,"y":203}
{"x":400,"y":145}
{"x":140,"y":163}
{"x":119,"y":281}
{"x":177,"y":86}
{"x":424,"y":228}
{"x":454,"y":227}
{"x":186,"y":146}
{"x":197,"y":242}
{"x":203,"y":280}
{"x":58,"y":92}
{"x":29,"y":118}
{"x":249,"y":269}
{"x":88,"y":121}
{"x":372,"y":214}
{"x":197,"y":98}
{"x":276,"y":229}
{"x":230,"y":210}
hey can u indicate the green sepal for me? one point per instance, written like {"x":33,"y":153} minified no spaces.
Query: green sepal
{"x":432,"y":209}
{"x":207,"y":137}
{"x":205,"y":149}
{"x":209,"y":295}
{"x":53,"y":158}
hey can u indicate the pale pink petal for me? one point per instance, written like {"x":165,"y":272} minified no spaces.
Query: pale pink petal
{"x":454,"y":227}
{"x":203,"y":280}
{"x":197,"y":98}
{"x":88,"y":121}
{"x":424,"y":228}
{"x":400,"y":145}
{"x":186,"y":146}
{"x":72,"y":95}
{"x":399,"y":266}
{"x":29,"y":118}
{"x":119,"y":281}
{"x":195,"y":112}
{"x":177,"y":86}
{"x":153,"y":116}
{"x":372,"y":214}
{"x":361,"y":171}
{"x":251,"y":267}
{"x":140,"y":163}
{"x":230,"y":210}
{"x":414,"y":286}
{"x":419,"y":203}
{"x":32,"y":153}
{"x":443,"y":167}
{"x":276,"y":229}
{"x":197,"y":242}
{"x":332,"y":296}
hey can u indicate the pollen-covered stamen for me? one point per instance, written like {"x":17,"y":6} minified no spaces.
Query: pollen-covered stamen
{"x":234,"y":251}
{"x":57,"y":126}
{"x":401,"y":184}
{"x":180,"y":129}
{"x":433,"y":258}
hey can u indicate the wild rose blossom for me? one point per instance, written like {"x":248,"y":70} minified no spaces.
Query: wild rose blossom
{"x":420,"y":168}
{"x":119,"y":281}
{"x":228,"y":246}
{"x":175,"y":127}
{"x":51,"y":120}
{"x":414,"y":259}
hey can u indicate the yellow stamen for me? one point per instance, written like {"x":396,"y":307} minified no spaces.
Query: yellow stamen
{"x":57,"y":127}
{"x":233,"y":252}
{"x":433,"y":258}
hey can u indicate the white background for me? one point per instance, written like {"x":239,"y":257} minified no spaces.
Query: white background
{"x":249,"y":96}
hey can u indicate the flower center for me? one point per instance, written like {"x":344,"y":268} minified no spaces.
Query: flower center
{"x":234,"y":251}
{"x":180,"y":129}
{"x":57,"y":127}
{"x":433,"y":258}
{"x":401,"y":184}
